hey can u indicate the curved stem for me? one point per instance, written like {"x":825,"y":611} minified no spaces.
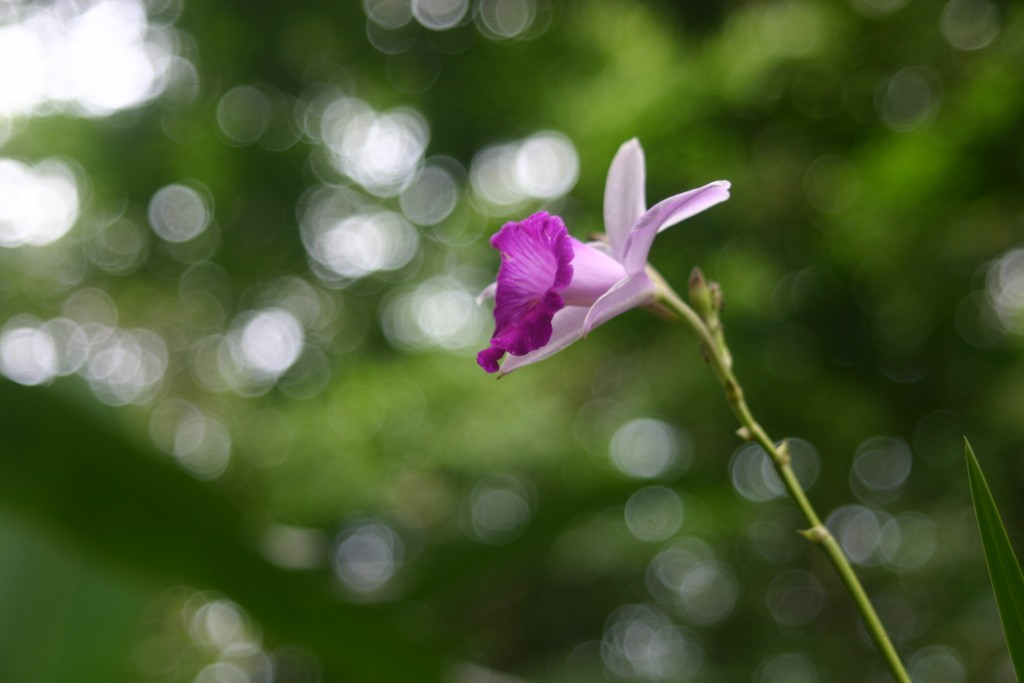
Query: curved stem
{"x":718,"y":356}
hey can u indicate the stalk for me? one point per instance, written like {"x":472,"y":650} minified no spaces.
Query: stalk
{"x":709,"y":329}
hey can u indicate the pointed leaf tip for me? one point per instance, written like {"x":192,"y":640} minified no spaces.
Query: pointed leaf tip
{"x":1003,"y":568}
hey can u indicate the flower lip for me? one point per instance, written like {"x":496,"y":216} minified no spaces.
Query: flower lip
{"x":536,"y":264}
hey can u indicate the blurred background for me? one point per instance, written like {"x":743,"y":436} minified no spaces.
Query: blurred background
{"x":243,"y":437}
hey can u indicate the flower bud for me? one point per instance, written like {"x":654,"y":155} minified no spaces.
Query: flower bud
{"x":701,"y":297}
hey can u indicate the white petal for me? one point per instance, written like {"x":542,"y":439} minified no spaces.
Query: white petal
{"x":487,"y":293}
{"x":624,"y":195}
{"x":632,"y":292}
{"x":665,"y":214}
{"x":713,"y":196}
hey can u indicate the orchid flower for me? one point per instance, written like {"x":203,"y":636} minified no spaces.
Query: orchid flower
{"x":553,"y":289}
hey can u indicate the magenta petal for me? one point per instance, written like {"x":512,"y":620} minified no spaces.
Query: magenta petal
{"x":489,"y":357}
{"x":665,"y":214}
{"x":536,"y":264}
{"x":530,"y":329}
{"x":635,"y":291}
{"x":624,"y":195}
{"x":567,"y":327}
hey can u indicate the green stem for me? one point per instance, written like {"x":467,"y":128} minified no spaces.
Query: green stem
{"x":718,"y":356}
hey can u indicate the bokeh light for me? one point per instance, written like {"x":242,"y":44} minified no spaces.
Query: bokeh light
{"x":247,"y":114}
{"x":641,"y":643}
{"x":431,"y":196}
{"x":789,"y":667}
{"x":754,"y":477}
{"x":202,"y":445}
{"x":390,"y":14}
{"x":909,"y":541}
{"x":439,"y":15}
{"x":909,"y":98}
{"x":687,"y":577}
{"x":546,"y":165}
{"x":243,"y":114}
{"x":38,"y":204}
{"x":366,"y":555}
{"x":542,"y":166}
{"x":654,"y":513}
{"x":379,"y":151}
{"x":28,"y":354}
{"x":23,"y":74}
{"x":494,"y":178}
{"x":859,"y":531}
{"x":505,"y":19}
{"x":207,"y":638}
{"x":125,"y":366}
{"x":1005,"y":290}
{"x":179,"y":213}
{"x":117,"y":245}
{"x":352,"y":246}
{"x":267,"y":343}
{"x":970,"y":24}
{"x":795,"y":598}
{"x":439,"y":313}
{"x":92,"y":58}
{"x":880,"y":469}
{"x":646,"y":448}
{"x":878,"y":7}
{"x":498,"y":509}
{"x":121,"y":366}
{"x":708,"y":592}
{"x":72,"y":343}
{"x":294,"y":548}
{"x":937,"y":663}
{"x":199,"y":442}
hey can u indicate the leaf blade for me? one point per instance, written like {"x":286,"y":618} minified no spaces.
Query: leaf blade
{"x":1003,"y":568}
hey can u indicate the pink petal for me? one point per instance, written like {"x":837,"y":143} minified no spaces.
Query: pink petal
{"x":594,"y":272}
{"x":664,"y":215}
{"x":567,"y":327}
{"x":635,"y":291}
{"x":624,"y":195}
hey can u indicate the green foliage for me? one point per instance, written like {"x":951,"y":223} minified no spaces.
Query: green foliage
{"x":1003,"y":567}
{"x":869,"y":259}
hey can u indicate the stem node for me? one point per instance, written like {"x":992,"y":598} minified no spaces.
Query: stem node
{"x":782,"y":453}
{"x":816,"y":534}
{"x":733,"y":392}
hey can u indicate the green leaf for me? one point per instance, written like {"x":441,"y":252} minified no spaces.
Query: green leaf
{"x":1003,"y":568}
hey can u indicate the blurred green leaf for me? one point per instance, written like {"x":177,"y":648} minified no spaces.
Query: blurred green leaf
{"x":1003,"y":568}
{"x":120,"y":501}
{"x":869,"y":255}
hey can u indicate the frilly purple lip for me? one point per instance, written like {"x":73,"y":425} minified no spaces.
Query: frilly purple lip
{"x":536,"y":264}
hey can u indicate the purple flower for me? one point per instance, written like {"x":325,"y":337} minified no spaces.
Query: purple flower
{"x":553,"y":289}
